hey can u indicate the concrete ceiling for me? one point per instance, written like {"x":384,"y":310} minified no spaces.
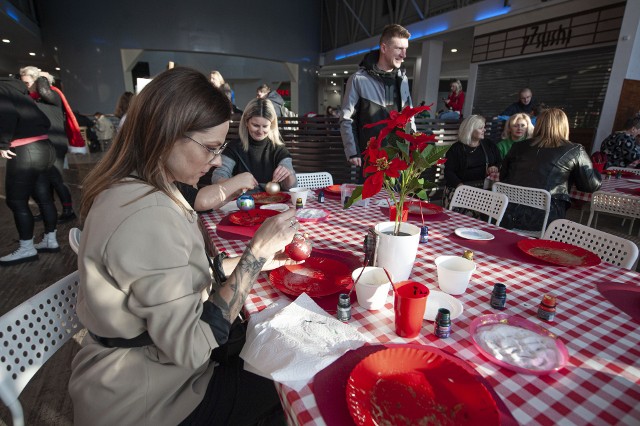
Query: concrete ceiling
{"x":24,"y":38}
{"x":453,"y":64}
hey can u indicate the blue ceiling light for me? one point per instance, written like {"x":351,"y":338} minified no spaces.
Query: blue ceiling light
{"x":12,"y":14}
{"x":430,"y":31}
{"x":359,"y":52}
{"x":492,"y":13}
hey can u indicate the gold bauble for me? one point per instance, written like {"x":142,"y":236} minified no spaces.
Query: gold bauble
{"x":272,"y":187}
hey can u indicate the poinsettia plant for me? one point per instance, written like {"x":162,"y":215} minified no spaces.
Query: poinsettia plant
{"x":395,"y":161}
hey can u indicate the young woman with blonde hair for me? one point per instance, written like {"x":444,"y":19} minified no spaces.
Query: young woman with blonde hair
{"x":260,"y":149}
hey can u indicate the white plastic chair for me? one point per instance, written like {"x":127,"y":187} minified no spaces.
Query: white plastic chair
{"x":30,"y":333}
{"x":492,"y":204}
{"x":314,"y":180}
{"x":74,"y":239}
{"x":623,"y":205}
{"x":611,"y":248}
{"x":625,"y":169}
{"x":531,"y":197}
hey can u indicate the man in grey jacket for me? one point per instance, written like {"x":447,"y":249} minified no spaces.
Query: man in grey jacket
{"x":377,"y":88}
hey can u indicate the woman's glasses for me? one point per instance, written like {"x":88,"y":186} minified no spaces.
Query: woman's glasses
{"x":214,"y":152}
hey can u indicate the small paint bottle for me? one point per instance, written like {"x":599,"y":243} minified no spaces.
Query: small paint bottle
{"x":442,"y":324}
{"x":298,"y":203}
{"x":424,"y":233}
{"x":499,"y":296}
{"x":547,"y":308}
{"x":468,"y":254}
{"x":321,"y":196}
{"x":344,"y":307}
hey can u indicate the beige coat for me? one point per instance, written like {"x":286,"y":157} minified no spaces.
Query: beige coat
{"x":142,"y":267}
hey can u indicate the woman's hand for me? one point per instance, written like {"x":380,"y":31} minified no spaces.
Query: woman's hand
{"x":280,"y":259}
{"x":280,"y":174}
{"x":7,"y":153}
{"x":243,"y":182}
{"x":274,"y":234}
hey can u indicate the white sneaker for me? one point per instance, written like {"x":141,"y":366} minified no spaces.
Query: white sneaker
{"x":25,"y":253}
{"x":49,"y":243}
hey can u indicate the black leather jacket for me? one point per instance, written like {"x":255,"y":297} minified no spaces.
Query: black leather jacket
{"x":553,"y":169}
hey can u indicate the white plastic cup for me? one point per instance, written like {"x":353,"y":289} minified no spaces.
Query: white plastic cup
{"x":346,"y":189}
{"x":299,"y":193}
{"x":373,"y":287}
{"x":454,"y":273}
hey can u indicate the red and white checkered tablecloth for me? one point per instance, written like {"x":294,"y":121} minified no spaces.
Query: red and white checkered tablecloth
{"x":608,"y":185}
{"x":600,"y":384}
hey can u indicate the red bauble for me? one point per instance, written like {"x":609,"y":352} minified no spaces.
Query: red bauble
{"x":299,"y":249}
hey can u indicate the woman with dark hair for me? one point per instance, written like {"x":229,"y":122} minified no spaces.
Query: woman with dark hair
{"x":161,"y":347}
{"x":25,"y":144}
{"x":260,"y":149}
{"x":123,"y":106}
{"x":623,"y":148}
{"x":547,"y":161}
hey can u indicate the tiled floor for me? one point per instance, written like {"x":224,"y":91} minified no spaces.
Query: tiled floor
{"x":45,"y":400}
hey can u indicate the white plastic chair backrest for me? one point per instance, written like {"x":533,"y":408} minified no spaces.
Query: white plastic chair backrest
{"x":30,"y":333}
{"x":615,"y":203}
{"x":314,"y":180}
{"x":625,"y":169}
{"x":74,"y":239}
{"x":610,"y":248}
{"x":490,"y":203}
{"x":531,"y":197}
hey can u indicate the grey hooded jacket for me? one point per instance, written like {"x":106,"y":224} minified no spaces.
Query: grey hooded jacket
{"x":365,"y":102}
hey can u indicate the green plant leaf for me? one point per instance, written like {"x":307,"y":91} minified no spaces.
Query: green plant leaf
{"x":356,"y":196}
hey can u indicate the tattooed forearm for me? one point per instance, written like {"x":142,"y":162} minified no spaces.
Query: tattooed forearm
{"x":230,"y":297}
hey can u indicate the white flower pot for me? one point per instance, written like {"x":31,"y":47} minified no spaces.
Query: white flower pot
{"x":397,"y":253}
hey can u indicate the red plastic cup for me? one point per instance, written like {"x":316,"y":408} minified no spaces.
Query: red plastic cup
{"x":405,"y":213}
{"x":410,"y":302}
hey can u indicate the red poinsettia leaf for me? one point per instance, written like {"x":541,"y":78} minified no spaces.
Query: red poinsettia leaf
{"x":372,"y":185}
{"x":371,"y":169}
{"x":441,"y":161}
{"x":395,"y":166}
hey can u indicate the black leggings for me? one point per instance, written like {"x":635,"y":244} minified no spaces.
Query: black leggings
{"x":55,"y":177}
{"x":26,"y":176}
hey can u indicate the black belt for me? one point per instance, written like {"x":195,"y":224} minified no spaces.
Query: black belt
{"x":118,"y":342}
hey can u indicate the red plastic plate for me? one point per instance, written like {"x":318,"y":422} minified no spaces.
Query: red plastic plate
{"x":262,"y":198}
{"x":562,"y":356}
{"x":407,"y":386}
{"x":333,"y":191}
{"x":427,"y":208}
{"x":559,"y":253}
{"x":251,"y":217}
{"x":325,"y":272}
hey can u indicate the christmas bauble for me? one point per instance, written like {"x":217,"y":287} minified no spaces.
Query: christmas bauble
{"x":272,"y":188}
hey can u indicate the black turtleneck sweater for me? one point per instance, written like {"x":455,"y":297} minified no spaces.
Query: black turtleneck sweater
{"x":260,"y":160}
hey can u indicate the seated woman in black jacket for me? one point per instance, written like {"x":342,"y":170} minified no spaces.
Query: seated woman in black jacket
{"x":471,"y":159}
{"x":548,"y":161}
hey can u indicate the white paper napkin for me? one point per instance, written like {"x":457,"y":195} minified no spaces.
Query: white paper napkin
{"x":291,"y":344}
{"x":231,"y":206}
